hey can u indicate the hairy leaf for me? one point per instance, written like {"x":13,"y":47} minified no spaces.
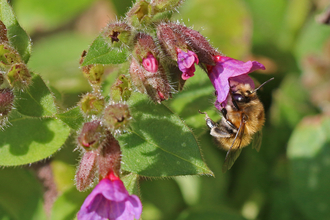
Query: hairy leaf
{"x":36,"y":100}
{"x":31,"y":139}
{"x":100,"y":52}
{"x":160,"y":144}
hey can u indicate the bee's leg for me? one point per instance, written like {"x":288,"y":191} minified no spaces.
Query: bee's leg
{"x":224,"y":112}
{"x":208,"y":120}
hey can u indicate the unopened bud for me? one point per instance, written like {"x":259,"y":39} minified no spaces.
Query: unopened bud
{"x":8,"y":56}
{"x":170,"y":40}
{"x":6,"y":102}
{"x":116,"y":116}
{"x":93,"y":72}
{"x":86,"y":171}
{"x":166,"y":5}
{"x":139,"y":13}
{"x":92,"y":104}
{"x":19,"y":76}
{"x":155,"y":84}
{"x":3,"y":33}
{"x":175,"y":78}
{"x":121,"y":89}
{"x":197,"y":42}
{"x":118,"y":33}
{"x":109,"y":156}
{"x":144,"y":47}
{"x":91,"y":135}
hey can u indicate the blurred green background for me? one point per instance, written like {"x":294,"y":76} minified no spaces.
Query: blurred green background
{"x":287,"y":180}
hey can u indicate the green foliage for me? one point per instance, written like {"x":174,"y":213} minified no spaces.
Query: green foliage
{"x":287,"y":180}
{"x":170,"y":152}
{"x":100,"y":52}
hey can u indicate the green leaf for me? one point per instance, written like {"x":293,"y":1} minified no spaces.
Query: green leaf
{"x":72,"y":117}
{"x":100,"y":52}
{"x":16,"y":35}
{"x":21,"y":194}
{"x":36,"y":100}
{"x":308,"y":151}
{"x":131,"y":183}
{"x":31,"y":139}
{"x":197,"y":95}
{"x":68,"y":204}
{"x":160,"y":144}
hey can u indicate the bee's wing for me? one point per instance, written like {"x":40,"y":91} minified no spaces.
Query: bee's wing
{"x":230,"y":159}
{"x":232,"y":155}
{"x":256,"y":142}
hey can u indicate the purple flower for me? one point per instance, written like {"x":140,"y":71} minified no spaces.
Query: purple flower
{"x":227,"y":73}
{"x":150,"y":63}
{"x":110,"y":200}
{"x":186,"y":63}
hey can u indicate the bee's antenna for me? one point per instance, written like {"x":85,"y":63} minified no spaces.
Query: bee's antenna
{"x":263,"y":84}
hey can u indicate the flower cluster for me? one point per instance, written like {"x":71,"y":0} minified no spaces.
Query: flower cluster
{"x":163,"y":55}
{"x":14,"y":75}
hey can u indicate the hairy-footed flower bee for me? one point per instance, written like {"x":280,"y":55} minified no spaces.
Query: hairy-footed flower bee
{"x":242,"y":120}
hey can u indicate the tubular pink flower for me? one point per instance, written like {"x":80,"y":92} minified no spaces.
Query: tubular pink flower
{"x":186,"y":63}
{"x":227,"y":72}
{"x":150,"y":63}
{"x":110,"y":200}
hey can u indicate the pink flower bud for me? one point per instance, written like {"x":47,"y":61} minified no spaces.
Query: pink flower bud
{"x":150,"y":63}
{"x":109,"y":156}
{"x":155,"y":84}
{"x":170,"y":40}
{"x":91,"y":135}
{"x":197,"y":42}
{"x":6,"y":102}
{"x":3,"y":33}
{"x":86,"y":171}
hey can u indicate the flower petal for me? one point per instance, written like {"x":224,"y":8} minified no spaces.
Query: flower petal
{"x":227,"y":69}
{"x":116,"y":191}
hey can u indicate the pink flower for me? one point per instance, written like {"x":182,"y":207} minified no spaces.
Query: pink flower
{"x":110,"y":200}
{"x":186,"y":63}
{"x":227,"y":72}
{"x":150,"y":63}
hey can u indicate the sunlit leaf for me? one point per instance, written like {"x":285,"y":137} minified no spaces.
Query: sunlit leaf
{"x":160,"y":144}
{"x":28,"y":140}
{"x":73,"y":117}
{"x":100,"y":52}
{"x":36,"y":100}
{"x":131,"y":183}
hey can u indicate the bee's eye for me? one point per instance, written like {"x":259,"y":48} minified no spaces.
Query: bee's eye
{"x":239,"y":98}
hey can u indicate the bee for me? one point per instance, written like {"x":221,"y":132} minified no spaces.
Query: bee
{"x":242,"y":120}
